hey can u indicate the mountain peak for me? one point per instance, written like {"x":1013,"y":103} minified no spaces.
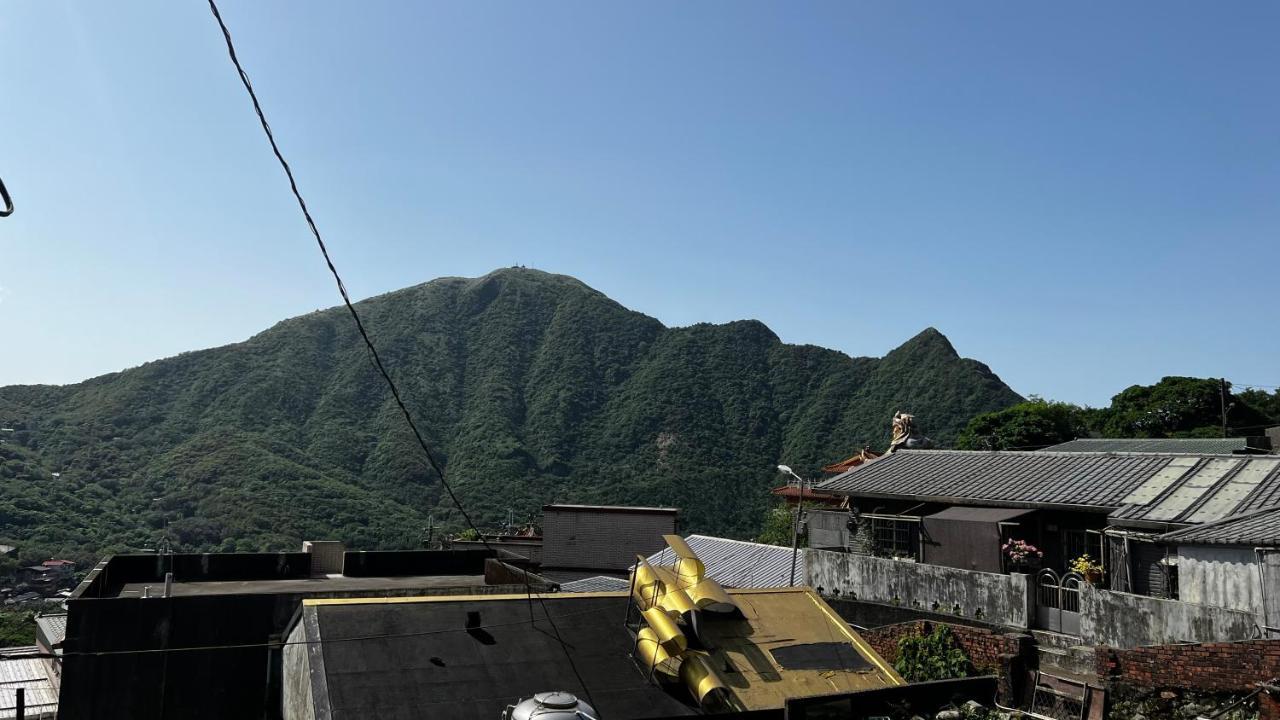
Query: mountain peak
{"x":929,"y":340}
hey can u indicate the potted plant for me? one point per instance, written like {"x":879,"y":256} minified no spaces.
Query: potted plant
{"x":1021,"y":556}
{"x":1087,"y":568}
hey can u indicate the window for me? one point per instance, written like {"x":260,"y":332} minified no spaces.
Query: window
{"x":894,"y":537}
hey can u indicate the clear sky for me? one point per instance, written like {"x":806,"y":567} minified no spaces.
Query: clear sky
{"x":1082,"y":195}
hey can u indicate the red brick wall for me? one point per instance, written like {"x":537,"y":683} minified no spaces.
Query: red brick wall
{"x":984,"y":647}
{"x":1214,"y":667}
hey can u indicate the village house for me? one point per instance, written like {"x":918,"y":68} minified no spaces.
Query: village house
{"x":1151,"y":524}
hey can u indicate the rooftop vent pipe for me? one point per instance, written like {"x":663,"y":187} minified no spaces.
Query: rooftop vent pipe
{"x":558,"y":705}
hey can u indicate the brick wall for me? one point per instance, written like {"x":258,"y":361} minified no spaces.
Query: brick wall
{"x":987,"y":650}
{"x":1211,"y":667}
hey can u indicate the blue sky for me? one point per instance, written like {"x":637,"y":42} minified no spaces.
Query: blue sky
{"x":1082,"y":195}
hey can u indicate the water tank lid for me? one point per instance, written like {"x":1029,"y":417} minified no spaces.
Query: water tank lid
{"x":558,"y":700}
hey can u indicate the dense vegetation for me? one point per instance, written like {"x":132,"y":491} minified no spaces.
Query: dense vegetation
{"x":531,"y":387}
{"x":17,"y":628}
{"x":1174,"y":407}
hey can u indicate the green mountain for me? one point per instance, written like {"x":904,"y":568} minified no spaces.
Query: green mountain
{"x":532,"y":388}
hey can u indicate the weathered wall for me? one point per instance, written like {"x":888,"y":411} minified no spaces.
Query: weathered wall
{"x":1125,"y":621}
{"x":993,"y":598}
{"x":1213,"y":667}
{"x":296,"y":699}
{"x":1223,"y":576}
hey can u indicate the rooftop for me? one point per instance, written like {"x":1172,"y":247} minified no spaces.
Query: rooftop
{"x":289,"y":586}
{"x":630,"y":509}
{"x":1261,"y":527}
{"x":1210,"y":446}
{"x":739,"y":564}
{"x":406,"y":657}
{"x":1136,"y":488}
{"x":30,"y":675}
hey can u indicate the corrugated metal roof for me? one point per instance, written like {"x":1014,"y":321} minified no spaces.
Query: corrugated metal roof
{"x":596,"y":583}
{"x":1206,"y":446}
{"x":1217,"y":487}
{"x":1001,"y":478}
{"x":1137,"y":487}
{"x":739,"y":564}
{"x":1261,"y":527}
{"x":30,"y":675}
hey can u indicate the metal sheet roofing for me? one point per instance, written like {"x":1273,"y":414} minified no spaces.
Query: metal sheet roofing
{"x":1136,"y":487}
{"x":1209,"y":446}
{"x":596,"y":583}
{"x":739,"y":564}
{"x":1261,"y":527}
{"x":29,"y":674}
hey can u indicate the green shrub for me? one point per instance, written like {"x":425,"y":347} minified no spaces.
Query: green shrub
{"x":931,"y":657}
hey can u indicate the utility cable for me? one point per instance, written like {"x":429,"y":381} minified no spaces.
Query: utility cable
{"x":259,"y":645}
{"x":355,"y":316}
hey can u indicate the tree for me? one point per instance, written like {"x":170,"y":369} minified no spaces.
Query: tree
{"x":1265,"y":403}
{"x":777,"y":526}
{"x":1177,"y":407}
{"x":1029,"y":425}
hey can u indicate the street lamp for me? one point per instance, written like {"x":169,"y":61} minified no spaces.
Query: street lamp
{"x":801,"y":483}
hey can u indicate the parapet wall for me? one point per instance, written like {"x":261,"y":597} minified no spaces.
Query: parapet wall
{"x":1125,"y":620}
{"x":989,"y":597}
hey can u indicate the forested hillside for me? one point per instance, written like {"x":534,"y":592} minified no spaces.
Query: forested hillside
{"x":532,"y":387}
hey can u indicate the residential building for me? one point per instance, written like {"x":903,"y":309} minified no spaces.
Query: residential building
{"x":1254,"y":445}
{"x":197,"y":635}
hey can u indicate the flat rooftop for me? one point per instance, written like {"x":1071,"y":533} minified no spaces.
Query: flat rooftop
{"x":302,"y":586}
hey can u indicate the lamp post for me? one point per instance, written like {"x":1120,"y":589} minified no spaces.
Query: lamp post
{"x":795,"y":526}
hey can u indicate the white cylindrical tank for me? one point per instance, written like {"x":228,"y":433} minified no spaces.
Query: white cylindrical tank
{"x":557,"y":705}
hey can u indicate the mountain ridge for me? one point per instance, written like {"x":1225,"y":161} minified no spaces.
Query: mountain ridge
{"x":531,"y":387}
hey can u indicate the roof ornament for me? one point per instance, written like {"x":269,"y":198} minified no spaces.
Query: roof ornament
{"x":905,"y":434}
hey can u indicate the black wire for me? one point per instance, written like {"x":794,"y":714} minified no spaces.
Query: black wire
{"x":251,"y":646}
{"x":355,"y":316}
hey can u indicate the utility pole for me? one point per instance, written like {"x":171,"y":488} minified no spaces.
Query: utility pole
{"x":1222,"y":398}
{"x":795,"y":526}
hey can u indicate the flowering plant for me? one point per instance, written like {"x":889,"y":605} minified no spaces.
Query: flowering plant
{"x":1020,"y":552}
{"x":1085,"y":566}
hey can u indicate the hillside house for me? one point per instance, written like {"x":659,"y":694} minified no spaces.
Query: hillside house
{"x":957,"y":509}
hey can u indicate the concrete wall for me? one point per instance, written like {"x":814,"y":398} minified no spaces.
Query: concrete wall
{"x":1222,"y":576}
{"x":296,"y":698}
{"x":999,"y":599}
{"x":1125,"y":621}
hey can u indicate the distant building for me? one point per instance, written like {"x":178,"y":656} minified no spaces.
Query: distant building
{"x":584,"y":541}
{"x":1255,"y":445}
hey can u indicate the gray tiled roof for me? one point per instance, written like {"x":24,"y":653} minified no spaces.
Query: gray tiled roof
{"x":596,"y":583}
{"x":1000,"y":478}
{"x":1135,"y":487}
{"x":1261,"y":527}
{"x":739,"y":564}
{"x":1210,"y":446}
{"x":54,"y":627}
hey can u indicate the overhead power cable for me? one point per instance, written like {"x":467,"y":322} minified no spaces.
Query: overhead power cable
{"x":368,"y":342}
{"x":252,"y":646}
